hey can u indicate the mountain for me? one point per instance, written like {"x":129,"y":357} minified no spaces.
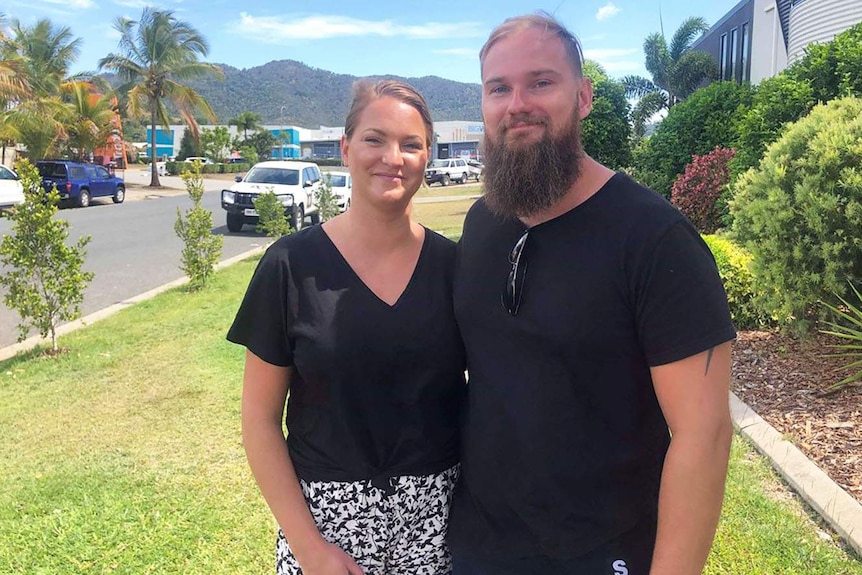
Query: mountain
{"x":314,"y":98}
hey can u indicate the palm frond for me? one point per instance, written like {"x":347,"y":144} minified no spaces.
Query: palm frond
{"x":638,"y":86}
{"x":685,"y":35}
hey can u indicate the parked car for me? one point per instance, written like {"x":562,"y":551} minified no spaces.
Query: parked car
{"x":78,"y":182}
{"x":342,"y":186}
{"x":475,"y":168}
{"x":160,"y":167}
{"x":200,"y":159}
{"x":447,"y":170}
{"x":295,"y":183}
{"x":11,"y":190}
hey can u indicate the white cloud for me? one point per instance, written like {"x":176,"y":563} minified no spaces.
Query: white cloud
{"x":284,"y":29}
{"x":607,"y":11}
{"x":615,"y":59}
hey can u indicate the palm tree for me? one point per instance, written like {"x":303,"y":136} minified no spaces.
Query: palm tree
{"x":13,"y":82}
{"x":159,"y":52}
{"x":44,"y":53}
{"x":246,"y":121}
{"x":88,"y":119}
{"x":676,"y":72}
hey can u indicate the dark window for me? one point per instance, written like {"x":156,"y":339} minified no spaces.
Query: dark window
{"x":734,"y":54}
{"x":77,"y":173}
{"x":102,"y":173}
{"x":6,"y":174}
{"x":338,"y":181}
{"x":746,"y":70}
{"x":722,"y":59}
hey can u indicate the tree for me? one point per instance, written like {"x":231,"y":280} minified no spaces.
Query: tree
{"x":201,"y":248}
{"x":606,"y":131}
{"x":44,"y":277}
{"x":271,"y":219}
{"x":263,"y":142}
{"x":160,"y":52}
{"x":88,"y":120}
{"x":189,"y":146}
{"x":677,"y":71}
{"x":246,"y":121}
{"x":215,"y":143}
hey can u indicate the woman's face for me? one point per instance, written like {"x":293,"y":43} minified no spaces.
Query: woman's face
{"x":387,"y":152}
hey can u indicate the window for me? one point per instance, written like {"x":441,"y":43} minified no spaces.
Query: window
{"x":6,"y":174}
{"x":746,"y":69}
{"x":734,"y":54}
{"x":722,"y":58}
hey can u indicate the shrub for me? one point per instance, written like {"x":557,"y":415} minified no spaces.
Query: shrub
{"x":734,"y":267}
{"x":201,"y":248}
{"x":697,"y":191}
{"x":606,"y":131}
{"x":43,"y":276}
{"x":270,"y":212}
{"x":327,"y":202}
{"x":800,"y":213}
{"x":833,"y":69}
{"x":702,"y":122}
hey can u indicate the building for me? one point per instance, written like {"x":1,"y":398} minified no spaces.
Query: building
{"x":757,"y":39}
{"x":168,"y":140}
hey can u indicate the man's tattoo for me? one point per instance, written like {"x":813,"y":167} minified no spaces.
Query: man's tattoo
{"x":708,"y":359}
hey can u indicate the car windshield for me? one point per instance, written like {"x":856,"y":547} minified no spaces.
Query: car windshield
{"x":338,"y":181}
{"x":440,"y":163}
{"x":6,"y":174}
{"x":51,"y":170}
{"x":280,"y":176}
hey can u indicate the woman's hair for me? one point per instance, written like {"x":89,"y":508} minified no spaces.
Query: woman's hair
{"x":366,"y":92}
{"x":546,"y":22}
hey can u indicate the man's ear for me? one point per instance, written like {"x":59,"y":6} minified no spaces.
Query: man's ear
{"x":345,"y":148}
{"x":585,"y":97}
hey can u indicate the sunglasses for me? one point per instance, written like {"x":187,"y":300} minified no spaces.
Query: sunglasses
{"x":514,"y":291}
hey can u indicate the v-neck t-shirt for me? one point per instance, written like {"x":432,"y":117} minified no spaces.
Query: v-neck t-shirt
{"x":376,"y":389}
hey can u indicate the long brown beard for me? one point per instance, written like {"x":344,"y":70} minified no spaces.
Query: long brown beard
{"x":524,"y":180}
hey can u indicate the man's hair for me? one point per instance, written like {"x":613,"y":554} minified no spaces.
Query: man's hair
{"x":546,"y":22}
{"x":365,"y":92}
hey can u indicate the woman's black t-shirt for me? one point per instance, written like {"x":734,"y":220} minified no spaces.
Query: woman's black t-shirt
{"x":376,"y":389}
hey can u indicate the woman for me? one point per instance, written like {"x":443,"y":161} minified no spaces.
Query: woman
{"x":355,"y":318}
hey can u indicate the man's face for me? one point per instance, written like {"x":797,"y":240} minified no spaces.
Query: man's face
{"x":529,"y":89}
{"x":533,"y":105}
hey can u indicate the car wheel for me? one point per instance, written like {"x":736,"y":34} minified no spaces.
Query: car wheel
{"x":315,"y":218}
{"x":298,"y":218}
{"x":235,"y":222}
{"x":445,"y":180}
{"x":463,"y":178}
{"x":84,"y":198}
{"x":119,"y":195}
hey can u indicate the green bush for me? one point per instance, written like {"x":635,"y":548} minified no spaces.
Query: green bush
{"x":832,"y":69}
{"x":800,"y":213}
{"x":271,"y":218}
{"x":201,"y":248}
{"x":734,"y":267}
{"x":606,"y":131}
{"x":704,"y":121}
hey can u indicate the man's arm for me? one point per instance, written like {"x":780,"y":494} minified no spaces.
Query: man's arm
{"x":693,"y":394}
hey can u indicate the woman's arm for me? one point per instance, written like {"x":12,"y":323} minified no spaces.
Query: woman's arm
{"x":263,"y":397}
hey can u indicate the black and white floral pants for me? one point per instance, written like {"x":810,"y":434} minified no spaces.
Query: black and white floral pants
{"x":397,"y":530}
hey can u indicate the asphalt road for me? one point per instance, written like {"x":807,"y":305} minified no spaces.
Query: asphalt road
{"x":134,"y":247}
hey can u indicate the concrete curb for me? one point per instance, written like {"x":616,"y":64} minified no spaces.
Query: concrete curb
{"x":836,"y":506}
{"x":66,"y":328}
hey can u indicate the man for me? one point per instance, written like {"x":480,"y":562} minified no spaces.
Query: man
{"x":598,"y":337}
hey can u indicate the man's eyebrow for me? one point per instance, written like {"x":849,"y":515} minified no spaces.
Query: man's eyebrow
{"x":533,"y":73}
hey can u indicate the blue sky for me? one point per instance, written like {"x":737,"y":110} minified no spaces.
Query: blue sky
{"x":410,"y":38}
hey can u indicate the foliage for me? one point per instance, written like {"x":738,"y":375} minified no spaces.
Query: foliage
{"x":677,"y":71}
{"x":734,"y":267}
{"x":847,"y":326}
{"x":698,"y":125}
{"x":606,"y":131}
{"x":189,"y":146}
{"x":248,"y":153}
{"x":776,"y":101}
{"x":697,"y":191}
{"x":158,"y":54}
{"x":201,"y":248}
{"x":215,"y":143}
{"x":800,"y":213}
{"x":44,"y":280}
{"x":88,"y":120}
{"x":832,"y":69}
{"x":327,"y":200}
{"x":246,"y":121}
{"x":271,"y":218}
{"x":263,"y":142}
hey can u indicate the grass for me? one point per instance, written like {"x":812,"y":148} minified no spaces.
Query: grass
{"x":444,"y":217}
{"x":124,"y":455}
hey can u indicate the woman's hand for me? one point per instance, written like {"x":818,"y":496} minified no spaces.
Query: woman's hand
{"x":331,"y":560}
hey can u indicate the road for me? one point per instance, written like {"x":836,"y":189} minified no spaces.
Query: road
{"x":134,"y":247}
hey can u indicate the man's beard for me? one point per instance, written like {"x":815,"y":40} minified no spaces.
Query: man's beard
{"x":525,"y":180}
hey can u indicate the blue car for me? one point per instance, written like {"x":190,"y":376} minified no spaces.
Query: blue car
{"x":77,"y":182}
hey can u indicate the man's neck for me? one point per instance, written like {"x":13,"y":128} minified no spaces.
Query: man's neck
{"x":593,"y":176}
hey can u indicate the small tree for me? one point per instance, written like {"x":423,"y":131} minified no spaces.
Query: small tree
{"x":697,"y":191}
{"x":189,"y":146}
{"x":327,"y":201}
{"x":202,"y":248}
{"x":215,"y":143}
{"x":44,"y":278}
{"x":270,"y":212}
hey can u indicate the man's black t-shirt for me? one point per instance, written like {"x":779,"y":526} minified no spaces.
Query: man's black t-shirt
{"x":564,"y":440}
{"x":376,"y":390}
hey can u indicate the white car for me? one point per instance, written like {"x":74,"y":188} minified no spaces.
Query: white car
{"x":297,"y":185}
{"x":342,"y":185}
{"x":11,"y":190}
{"x":200,"y":159}
{"x":447,"y":170}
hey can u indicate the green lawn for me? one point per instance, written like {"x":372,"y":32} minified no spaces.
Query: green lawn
{"x":124,"y":455}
